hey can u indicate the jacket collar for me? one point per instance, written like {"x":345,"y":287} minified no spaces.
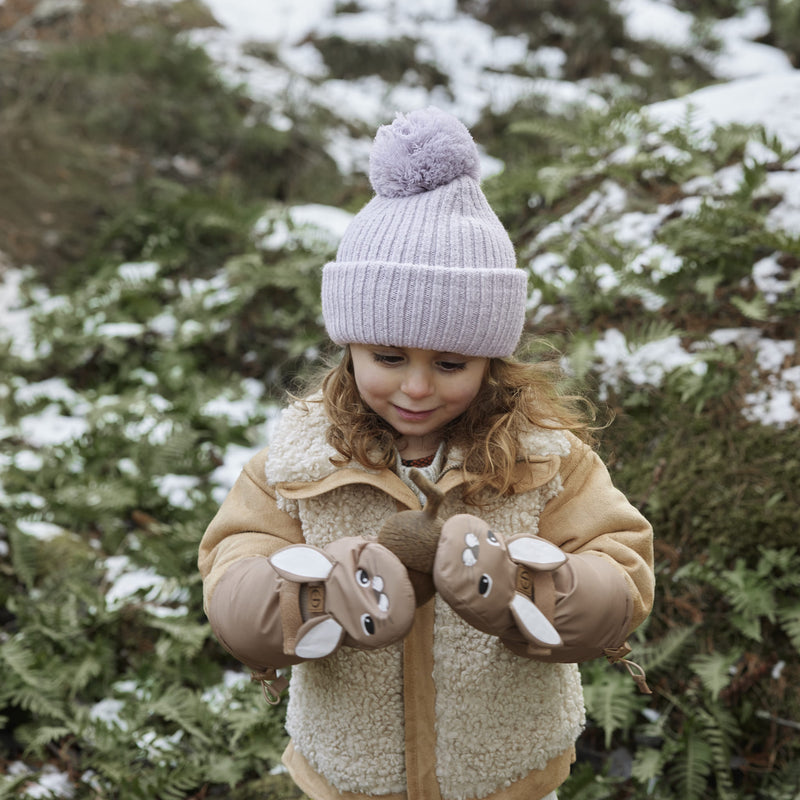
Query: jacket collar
{"x":298,"y":462}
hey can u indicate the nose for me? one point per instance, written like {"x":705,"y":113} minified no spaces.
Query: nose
{"x":417,"y":384}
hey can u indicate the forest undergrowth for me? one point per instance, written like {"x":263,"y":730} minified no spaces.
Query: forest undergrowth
{"x":157,"y":233}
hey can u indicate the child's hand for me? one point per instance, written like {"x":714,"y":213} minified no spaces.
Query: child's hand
{"x":489,"y":582}
{"x":542,"y":602}
{"x":352,"y":592}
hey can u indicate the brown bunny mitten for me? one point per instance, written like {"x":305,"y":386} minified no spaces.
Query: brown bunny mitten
{"x":354,"y":592}
{"x":303,"y":602}
{"x":477,"y":573}
{"x":543,"y":603}
{"x":413,"y":537}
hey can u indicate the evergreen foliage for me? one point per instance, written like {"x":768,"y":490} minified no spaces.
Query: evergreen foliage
{"x":162,"y":334}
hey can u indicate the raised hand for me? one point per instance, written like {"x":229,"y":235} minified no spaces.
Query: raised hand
{"x":490,"y":581}
{"x":353,"y":592}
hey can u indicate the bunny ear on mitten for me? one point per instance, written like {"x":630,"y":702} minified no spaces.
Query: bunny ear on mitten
{"x":532,"y":623}
{"x":540,"y":556}
{"x":491,"y":582}
{"x":534,"y":552}
{"x":355,"y":592}
{"x":318,"y":637}
{"x":302,"y":563}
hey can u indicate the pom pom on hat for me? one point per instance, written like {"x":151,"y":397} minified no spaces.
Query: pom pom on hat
{"x":426,"y":263}
{"x":421,"y":151}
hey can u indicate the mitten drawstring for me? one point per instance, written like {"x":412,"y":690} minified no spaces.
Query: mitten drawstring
{"x":616,"y":655}
{"x":273,"y":683}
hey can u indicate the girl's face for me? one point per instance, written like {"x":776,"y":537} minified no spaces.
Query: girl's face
{"x":416,"y":391}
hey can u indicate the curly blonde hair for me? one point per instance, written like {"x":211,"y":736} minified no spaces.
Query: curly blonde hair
{"x":514,"y":397}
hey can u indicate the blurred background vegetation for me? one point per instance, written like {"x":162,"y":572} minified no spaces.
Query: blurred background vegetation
{"x":151,"y":222}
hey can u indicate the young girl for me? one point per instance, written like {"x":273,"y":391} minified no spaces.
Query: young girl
{"x":418,"y":697}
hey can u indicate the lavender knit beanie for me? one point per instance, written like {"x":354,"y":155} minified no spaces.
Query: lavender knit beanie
{"x":426,"y":263}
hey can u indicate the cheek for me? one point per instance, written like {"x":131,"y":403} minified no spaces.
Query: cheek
{"x":369,"y":386}
{"x":463,"y":392}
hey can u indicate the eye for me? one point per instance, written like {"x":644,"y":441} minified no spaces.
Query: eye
{"x":484,"y":585}
{"x":492,"y":539}
{"x":452,"y":366}
{"x":362,"y":577}
{"x":387,"y":359}
{"x":368,"y":624}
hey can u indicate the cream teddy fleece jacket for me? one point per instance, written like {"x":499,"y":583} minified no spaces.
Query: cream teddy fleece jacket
{"x":451,"y":712}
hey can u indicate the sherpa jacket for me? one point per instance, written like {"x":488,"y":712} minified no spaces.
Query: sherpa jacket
{"x":449,"y":712}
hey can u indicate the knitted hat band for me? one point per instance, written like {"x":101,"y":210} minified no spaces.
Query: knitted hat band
{"x":473,"y":312}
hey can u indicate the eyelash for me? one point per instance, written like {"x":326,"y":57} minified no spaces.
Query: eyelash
{"x":391,"y":361}
{"x":387,"y":360}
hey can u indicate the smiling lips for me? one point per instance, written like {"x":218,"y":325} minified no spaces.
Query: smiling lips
{"x":413,"y":416}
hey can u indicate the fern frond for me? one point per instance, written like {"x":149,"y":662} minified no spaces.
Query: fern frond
{"x":720,"y":729}
{"x":693,"y":765}
{"x":755,"y":309}
{"x":666,"y":651}
{"x":183,"y":707}
{"x":612,"y":703}
{"x":22,"y":663}
{"x":653,"y":330}
{"x":24,"y":556}
{"x":180,"y":632}
{"x":43,"y":735}
{"x":648,"y":764}
{"x":790,"y":623}
{"x":714,"y":670}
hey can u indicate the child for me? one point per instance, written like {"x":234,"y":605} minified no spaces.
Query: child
{"x":424,"y":696}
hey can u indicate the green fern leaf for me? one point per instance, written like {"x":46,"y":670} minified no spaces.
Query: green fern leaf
{"x":44,"y":734}
{"x":183,"y":707}
{"x":790,"y":622}
{"x":693,"y":765}
{"x":755,"y":309}
{"x":720,"y":729}
{"x":714,"y":670}
{"x":612,"y":702}
{"x":648,"y":764}
{"x":24,"y":556}
{"x":667,"y":650}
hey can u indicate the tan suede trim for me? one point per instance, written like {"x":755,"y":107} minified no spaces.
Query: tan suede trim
{"x":544,"y":594}
{"x":536,"y":785}
{"x":528,"y":475}
{"x":247,"y":524}
{"x":419,"y":694}
{"x":539,"y":783}
{"x":315,"y":786}
{"x":591,"y":516}
{"x":385,"y":480}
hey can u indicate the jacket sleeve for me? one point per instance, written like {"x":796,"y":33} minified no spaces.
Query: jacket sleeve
{"x":239,"y":585}
{"x":273,"y":601}
{"x":605,"y":589}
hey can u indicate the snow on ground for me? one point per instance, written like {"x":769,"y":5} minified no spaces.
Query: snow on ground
{"x":772,"y":100}
{"x":471,"y":54}
{"x":49,"y":783}
{"x":466,"y":50}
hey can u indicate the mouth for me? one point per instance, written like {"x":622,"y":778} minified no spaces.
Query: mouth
{"x":413,"y":416}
